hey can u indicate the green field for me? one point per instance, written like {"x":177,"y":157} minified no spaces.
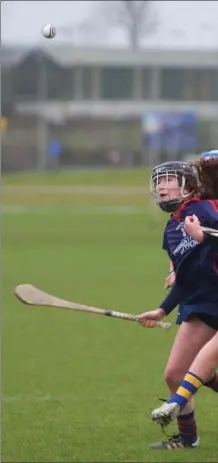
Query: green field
{"x":78,"y":387}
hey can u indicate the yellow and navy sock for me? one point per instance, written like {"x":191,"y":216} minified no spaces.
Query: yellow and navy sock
{"x":188,"y":388}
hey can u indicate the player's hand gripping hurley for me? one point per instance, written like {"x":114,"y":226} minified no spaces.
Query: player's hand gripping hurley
{"x":33,"y":296}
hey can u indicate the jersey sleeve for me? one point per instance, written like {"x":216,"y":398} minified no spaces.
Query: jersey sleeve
{"x":206,"y":211}
{"x":173,"y":298}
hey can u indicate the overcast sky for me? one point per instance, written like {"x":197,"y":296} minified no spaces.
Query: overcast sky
{"x":182,"y":23}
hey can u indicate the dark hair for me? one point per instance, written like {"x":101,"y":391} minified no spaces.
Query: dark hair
{"x":191,"y":185}
{"x":207,"y":175}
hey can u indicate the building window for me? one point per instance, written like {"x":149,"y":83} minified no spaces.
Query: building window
{"x":87,"y":83}
{"x":200,"y":85}
{"x":117,"y":83}
{"x":146,"y":84}
{"x":171,"y":83}
{"x":189,"y":84}
{"x":206,"y":84}
{"x":59,"y":82}
{"x":214,"y":85}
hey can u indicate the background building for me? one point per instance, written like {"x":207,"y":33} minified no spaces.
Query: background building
{"x":93,"y":100}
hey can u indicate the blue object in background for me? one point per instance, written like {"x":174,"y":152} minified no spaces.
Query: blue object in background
{"x":54,"y":149}
{"x":170,"y":131}
{"x":210,"y":154}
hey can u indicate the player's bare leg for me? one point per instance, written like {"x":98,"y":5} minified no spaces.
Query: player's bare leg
{"x":191,"y":337}
{"x":201,"y":370}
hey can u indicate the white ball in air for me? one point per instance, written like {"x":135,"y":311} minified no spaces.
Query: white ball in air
{"x":49,"y":31}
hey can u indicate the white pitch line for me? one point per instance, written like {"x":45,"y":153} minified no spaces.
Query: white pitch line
{"x":21,"y":210}
{"x":81,"y":210}
{"x":47,"y":398}
{"x":75,"y":190}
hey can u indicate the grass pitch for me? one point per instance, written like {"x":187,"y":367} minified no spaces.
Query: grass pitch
{"x":78,"y":387}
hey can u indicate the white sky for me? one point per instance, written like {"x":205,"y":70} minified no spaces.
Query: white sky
{"x":182,"y":23}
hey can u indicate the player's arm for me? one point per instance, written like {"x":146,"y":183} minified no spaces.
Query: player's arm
{"x":174,"y":297}
{"x":208,"y":210}
{"x":170,"y":280}
{"x":193,"y":228}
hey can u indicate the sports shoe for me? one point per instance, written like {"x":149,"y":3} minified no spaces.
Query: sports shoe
{"x":173,"y":443}
{"x":166,"y":413}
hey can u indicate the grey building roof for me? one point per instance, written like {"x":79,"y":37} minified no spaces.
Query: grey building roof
{"x":66,"y":55}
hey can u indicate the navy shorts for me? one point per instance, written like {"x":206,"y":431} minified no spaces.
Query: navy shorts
{"x":210,"y":320}
{"x":180,"y":314}
{"x":207,"y":312}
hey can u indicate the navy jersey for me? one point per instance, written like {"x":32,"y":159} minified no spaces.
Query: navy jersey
{"x":195,"y":264}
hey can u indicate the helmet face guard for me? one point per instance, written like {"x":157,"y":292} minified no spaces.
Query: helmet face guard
{"x":182,"y":172}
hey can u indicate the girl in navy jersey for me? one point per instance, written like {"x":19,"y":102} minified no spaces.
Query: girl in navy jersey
{"x":205,"y":364}
{"x":176,"y":191}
